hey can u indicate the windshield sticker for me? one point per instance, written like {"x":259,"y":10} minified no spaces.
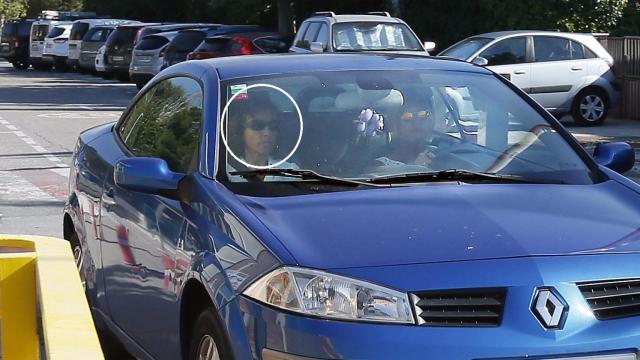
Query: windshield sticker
{"x":240,"y":91}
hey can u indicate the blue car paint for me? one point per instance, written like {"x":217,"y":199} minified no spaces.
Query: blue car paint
{"x":239,"y":238}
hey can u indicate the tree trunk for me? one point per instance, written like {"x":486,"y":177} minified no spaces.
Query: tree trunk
{"x":285,"y":23}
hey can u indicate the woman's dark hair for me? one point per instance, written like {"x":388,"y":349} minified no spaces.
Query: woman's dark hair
{"x":240,"y":111}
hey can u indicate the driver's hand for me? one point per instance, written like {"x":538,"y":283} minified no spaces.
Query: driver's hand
{"x":424,"y":158}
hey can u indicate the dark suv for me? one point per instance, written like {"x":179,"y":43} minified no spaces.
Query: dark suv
{"x":187,"y":40}
{"x":117,"y":51}
{"x":14,"y":44}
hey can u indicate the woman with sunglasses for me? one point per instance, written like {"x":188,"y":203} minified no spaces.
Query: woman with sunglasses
{"x":253,"y":135}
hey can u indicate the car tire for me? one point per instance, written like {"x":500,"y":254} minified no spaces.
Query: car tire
{"x":123,"y":77}
{"x":20,"y":65}
{"x":78,"y":256}
{"x":590,"y":107}
{"x":205,"y":338}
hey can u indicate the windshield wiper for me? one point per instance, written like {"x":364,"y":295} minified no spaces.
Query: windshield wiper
{"x":453,"y":175}
{"x":302,"y":174}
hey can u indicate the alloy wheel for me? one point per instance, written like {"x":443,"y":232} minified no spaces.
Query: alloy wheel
{"x":207,"y":350}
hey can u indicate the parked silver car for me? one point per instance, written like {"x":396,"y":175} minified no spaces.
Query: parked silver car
{"x":564,"y":72}
{"x":377,"y":31}
{"x":91,"y":43}
{"x":147,"y":57}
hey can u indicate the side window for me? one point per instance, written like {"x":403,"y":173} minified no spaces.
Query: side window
{"x":165,"y":123}
{"x":588,"y":54}
{"x":310,"y":35}
{"x":577,"y":51}
{"x":548,"y":48}
{"x":323,"y":36}
{"x":299,"y":41}
{"x":507,"y":51}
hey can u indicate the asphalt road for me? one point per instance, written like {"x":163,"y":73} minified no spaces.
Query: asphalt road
{"x":42,"y":113}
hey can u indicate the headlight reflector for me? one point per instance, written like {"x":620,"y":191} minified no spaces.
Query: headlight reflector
{"x":332,"y":296}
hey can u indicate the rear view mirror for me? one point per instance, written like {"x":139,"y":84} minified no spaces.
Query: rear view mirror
{"x":316,"y":47}
{"x":429,"y":45}
{"x":618,"y":156}
{"x":480,"y":61}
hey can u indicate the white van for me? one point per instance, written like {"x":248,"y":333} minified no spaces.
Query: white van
{"x":78,"y":30}
{"x":56,"y":45}
{"x":40,"y":28}
{"x":39,"y":31}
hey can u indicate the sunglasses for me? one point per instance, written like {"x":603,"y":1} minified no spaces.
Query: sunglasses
{"x":259,"y":125}
{"x":418,"y":115}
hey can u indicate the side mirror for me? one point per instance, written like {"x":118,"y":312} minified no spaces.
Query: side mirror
{"x":317,"y":47}
{"x":480,"y":61}
{"x":618,"y":156}
{"x":429,"y":45}
{"x":147,"y":175}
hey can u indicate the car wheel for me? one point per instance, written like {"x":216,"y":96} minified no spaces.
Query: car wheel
{"x":205,"y":342}
{"x":590,"y":108}
{"x":20,"y":65}
{"x":78,"y":256}
{"x":123,"y":77}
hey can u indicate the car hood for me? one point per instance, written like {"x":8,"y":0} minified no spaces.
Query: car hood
{"x":447,"y":222}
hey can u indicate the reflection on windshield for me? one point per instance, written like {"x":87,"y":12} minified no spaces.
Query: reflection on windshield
{"x":367,"y":124}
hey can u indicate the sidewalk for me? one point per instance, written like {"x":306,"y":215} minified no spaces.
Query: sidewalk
{"x":613,"y":130}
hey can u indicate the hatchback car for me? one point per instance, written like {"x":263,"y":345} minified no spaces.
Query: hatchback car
{"x":376,"y":31}
{"x":79,"y":29}
{"x":92,"y":41}
{"x":564,"y":72}
{"x":241,"y":44}
{"x":147,"y":57}
{"x":118,"y":48}
{"x":345,"y":207}
{"x":14,"y":42}
{"x":56,"y":45}
{"x":187,"y":40}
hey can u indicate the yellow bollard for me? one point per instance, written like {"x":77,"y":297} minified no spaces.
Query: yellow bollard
{"x":42,"y":304}
{"x":18,"y":323}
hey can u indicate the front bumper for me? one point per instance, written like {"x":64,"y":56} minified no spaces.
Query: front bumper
{"x":520,"y":335}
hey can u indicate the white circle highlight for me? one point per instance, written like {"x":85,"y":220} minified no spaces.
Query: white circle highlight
{"x":224,"y":119}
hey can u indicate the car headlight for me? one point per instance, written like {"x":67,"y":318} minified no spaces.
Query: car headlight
{"x":317,"y":293}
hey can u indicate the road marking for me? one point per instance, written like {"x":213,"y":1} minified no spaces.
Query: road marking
{"x":15,"y":188}
{"x":62,"y":168}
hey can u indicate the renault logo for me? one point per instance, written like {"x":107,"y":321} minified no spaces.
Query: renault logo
{"x":549,"y":308}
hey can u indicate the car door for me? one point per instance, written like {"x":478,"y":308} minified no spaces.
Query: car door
{"x":555,"y":77}
{"x":140,"y":231}
{"x":508,"y":57}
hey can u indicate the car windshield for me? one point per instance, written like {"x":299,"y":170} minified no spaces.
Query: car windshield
{"x":464,"y":49}
{"x":362,"y":36}
{"x":363,"y":125}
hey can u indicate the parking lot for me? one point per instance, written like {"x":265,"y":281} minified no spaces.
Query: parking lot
{"x":42,"y":113}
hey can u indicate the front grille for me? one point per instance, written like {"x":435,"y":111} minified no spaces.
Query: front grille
{"x":612,"y":299}
{"x":464,"y":308}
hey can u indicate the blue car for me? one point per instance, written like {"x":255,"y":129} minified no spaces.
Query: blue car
{"x":352,"y":206}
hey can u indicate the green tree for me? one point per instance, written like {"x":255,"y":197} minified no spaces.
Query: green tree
{"x":448,"y":21}
{"x":34,"y":7}
{"x":10,"y":9}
